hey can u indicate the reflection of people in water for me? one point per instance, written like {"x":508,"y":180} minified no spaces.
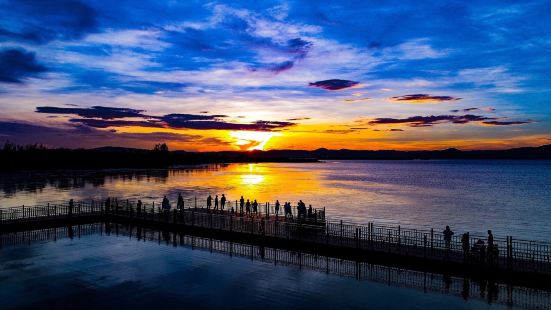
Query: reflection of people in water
{"x":466,"y":289}
{"x":447,"y":282}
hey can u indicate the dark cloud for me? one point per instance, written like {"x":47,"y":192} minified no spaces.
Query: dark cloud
{"x":427,"y":121}
{"x":506,"y":123}
{"x":76,"y":135}
{"x":423,"y":98}
{"x":282,"y":66}
{"x":340,"y":131}
{"x":17,"y":64}
{"x":104,"y":117}
{"x":42,"y":21}
{"x":103,"y":123}
{"x":94,"y":112}
{"x":299,"y":47}
{"x":487,"y":109}
{"x":396,"y":129}
{"x":334,"y":84}
{"x":298,"y":119}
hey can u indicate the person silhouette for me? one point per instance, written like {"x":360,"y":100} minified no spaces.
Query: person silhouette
{"x":248,"y":207}
{"x":255,"y":207}
{"x":448,"y":233}
{"x":222,"y":202}
{"x":241,"y":204}
{"x":216,"y":202}
{"x":209,"y":202}
{"x":277,"y":208}
{"x":71,"y":205}
{"x":139,"y":206}
{"x":180,"y":203}
{"x":465,"y":244}
{"x":165,"y":204}
{"x":492,"y":249}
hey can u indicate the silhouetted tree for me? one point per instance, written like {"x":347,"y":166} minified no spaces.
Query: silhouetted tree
{"x":161,"y":147}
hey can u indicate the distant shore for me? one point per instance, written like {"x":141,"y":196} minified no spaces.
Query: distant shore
{"x":36,"y":158}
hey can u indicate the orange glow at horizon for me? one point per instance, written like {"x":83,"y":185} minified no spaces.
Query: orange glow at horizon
{"x":252,"y":140}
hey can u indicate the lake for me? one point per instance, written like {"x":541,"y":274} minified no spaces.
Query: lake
{"x":509,"y":197}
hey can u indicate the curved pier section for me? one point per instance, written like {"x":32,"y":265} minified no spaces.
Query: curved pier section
{"x":481,"y":288}
{"x":523,"y":261}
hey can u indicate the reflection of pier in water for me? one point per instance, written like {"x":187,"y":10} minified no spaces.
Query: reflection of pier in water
{"x":466,"y":288}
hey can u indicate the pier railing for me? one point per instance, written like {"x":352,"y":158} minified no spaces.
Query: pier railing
{"x":506,"y":253}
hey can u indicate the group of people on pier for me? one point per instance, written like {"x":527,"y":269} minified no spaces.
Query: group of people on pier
{"x":243,"y":206}
{"x":484,"y":251}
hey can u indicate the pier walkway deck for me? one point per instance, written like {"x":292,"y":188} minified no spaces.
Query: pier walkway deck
{"x":462,"y":287}
{"x":530,"y":260}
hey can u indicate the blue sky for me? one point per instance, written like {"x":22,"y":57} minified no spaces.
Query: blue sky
{"x":305,"y":74}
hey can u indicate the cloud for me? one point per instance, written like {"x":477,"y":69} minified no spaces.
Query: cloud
{"x":78,"y":135}
{"x":506,"y":123}
{"x":42,"y":21}
{"x":278,"y":67}
{"x":497,"y":79}
{"x":427,"y":121}
{"x":104,"y":117}
{"x":17,"y":64}
{"x":423,"y":98}
{"x":298,"y":119}
{"x":183,"y":123}
{"x":144,"y":39}
{"x":487,"y":109}
{"x":103,"y":123}
{"x":414,"y":50}
{"x":94,"y":112}
{"x":357,"y":100}
{"x":334,"y":84}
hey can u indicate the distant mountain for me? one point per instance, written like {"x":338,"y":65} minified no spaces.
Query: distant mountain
{"x":28,"y":158}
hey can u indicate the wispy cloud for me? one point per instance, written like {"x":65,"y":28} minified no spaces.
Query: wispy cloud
{"x":423,"y":98}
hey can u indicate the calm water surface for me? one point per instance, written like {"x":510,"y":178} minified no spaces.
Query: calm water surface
{"x":99,"y":271}
{"x":510,"y":197}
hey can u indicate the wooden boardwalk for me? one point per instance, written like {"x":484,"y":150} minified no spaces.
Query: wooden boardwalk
{"x":529,"y":259}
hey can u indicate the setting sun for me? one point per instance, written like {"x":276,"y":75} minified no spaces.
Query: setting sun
{"x":252,"y":140}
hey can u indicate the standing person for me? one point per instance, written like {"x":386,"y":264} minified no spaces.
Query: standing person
{"x":71,"y":205}
{"x":448,"y":233}
{"x":216,"y":202}
{"x":241,"y":204}
{"x":180,"y":203}
{"x":248,"y":207}
{"x":209,"y":202}
{"x":165,"y":204}
{"x":139,"y":207}
{"x":310,"y":212}
{"x":465,"y":243}
{"x":277,"y":208}
{"x":491,"y":247}
{"x":222,"y":202}
{"x":255,"y":207}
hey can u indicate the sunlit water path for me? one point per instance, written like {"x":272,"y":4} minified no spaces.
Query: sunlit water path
{"x":510,"y":197}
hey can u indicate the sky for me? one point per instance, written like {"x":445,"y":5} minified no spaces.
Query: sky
{"x":244,"y":75}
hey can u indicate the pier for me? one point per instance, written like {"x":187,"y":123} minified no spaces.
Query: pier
{"x":481,"y":288}
{"x":522,"y":261}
